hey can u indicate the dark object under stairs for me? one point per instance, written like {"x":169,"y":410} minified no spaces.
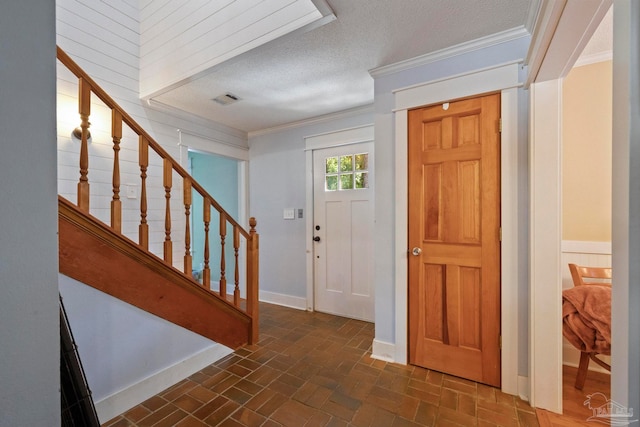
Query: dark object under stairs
{"x":77,"y":407}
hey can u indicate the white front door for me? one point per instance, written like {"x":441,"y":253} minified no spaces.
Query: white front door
{"x":343,"y":230}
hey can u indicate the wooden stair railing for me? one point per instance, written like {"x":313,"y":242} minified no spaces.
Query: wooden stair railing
{"x":88,"y":87}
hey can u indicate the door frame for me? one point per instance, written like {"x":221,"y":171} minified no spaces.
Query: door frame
{"x":316,"y":142}
{"x":203,"y":144}
{"x":505,"y":79}
{"x":192,"y":141}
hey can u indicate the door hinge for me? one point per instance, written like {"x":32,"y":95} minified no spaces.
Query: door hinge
{"x":500,"y":234}
{"x":500,"y":125}
{"x":500,"y":343}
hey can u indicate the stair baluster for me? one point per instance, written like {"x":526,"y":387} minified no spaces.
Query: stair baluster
{"x":186,"y":186}
{"x":116,"y":203}
{"x":143,"y":229}
{"x":236,"y":247}
{"x":84,"y":108}
{"x":223,"y":278}
{"x":206,"y":272}
{"x":168,"y":245}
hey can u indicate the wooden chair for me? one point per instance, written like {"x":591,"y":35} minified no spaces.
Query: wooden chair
{"x":595,"y":276}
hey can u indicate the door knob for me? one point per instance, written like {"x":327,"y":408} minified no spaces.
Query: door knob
{"x":316,"y":239}
{"x":416,"y":251}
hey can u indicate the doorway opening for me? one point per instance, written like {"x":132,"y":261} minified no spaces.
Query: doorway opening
{"x":586,"y":195}
{"x":503,"y":79}
{"x":220,"y":177}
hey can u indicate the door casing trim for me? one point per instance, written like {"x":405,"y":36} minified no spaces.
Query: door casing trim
{"x":315,"y":142}
{"x":504,"y":79}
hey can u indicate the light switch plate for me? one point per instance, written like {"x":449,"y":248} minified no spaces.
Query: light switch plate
{"x":132,"y":192}
{"x":289,"y":213}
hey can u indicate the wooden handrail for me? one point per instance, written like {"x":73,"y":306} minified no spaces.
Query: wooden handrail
{"x":87,"y":87}
{"x":126,"y":118}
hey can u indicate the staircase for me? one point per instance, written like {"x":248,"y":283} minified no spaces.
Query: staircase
{"x":102,"y":256}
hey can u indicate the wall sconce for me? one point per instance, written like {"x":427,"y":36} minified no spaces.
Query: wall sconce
{"x":76,"y":135}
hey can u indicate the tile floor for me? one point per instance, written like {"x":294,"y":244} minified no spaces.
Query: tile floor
{"x":314,"y":369}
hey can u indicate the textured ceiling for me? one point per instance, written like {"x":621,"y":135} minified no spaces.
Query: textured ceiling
{"x":324,"y":70}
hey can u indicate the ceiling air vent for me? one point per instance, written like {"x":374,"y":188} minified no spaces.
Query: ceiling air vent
{"x":226,"y":99}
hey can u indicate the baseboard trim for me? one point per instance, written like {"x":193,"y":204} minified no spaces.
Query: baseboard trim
{"x":298,"y":303}
{"x":137,"y":393}
{"x":383,"y":350}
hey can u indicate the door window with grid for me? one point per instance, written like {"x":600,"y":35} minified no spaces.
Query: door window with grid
{"x":348,"y":172}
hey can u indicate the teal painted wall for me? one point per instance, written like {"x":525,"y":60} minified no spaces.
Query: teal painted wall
{"x":219,"y":176}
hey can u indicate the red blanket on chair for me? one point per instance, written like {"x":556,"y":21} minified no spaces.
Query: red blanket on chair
{"x":586,"y":318}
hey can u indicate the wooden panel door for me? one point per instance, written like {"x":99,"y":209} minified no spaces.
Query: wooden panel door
{"x":454,"y":238}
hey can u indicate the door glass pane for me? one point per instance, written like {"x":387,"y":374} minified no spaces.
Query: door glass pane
{"x":346,"y":163}
{"x":362,"y":162}
{"x":332,"y":165}
{"x":331,"y":183}
{"x":347,"y":172}
{"x":346,"y":182}
{"x":362,"y":180}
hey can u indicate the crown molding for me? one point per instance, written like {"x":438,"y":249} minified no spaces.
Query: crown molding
{"x":462,"y":48}
{"x":356,"y":111}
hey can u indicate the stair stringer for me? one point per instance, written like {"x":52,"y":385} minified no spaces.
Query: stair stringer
{"x":92,"y":253}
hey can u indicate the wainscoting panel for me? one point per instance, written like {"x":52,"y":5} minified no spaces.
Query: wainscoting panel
{"x":594,"y":254}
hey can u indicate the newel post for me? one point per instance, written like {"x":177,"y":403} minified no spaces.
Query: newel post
{"x":252,"y":279}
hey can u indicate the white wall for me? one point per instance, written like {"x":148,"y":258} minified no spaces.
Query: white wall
{"x":128,"y":354}
{"x":277,"y":181}
{"x":29,"y":333}
{"x":385,"y":257}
